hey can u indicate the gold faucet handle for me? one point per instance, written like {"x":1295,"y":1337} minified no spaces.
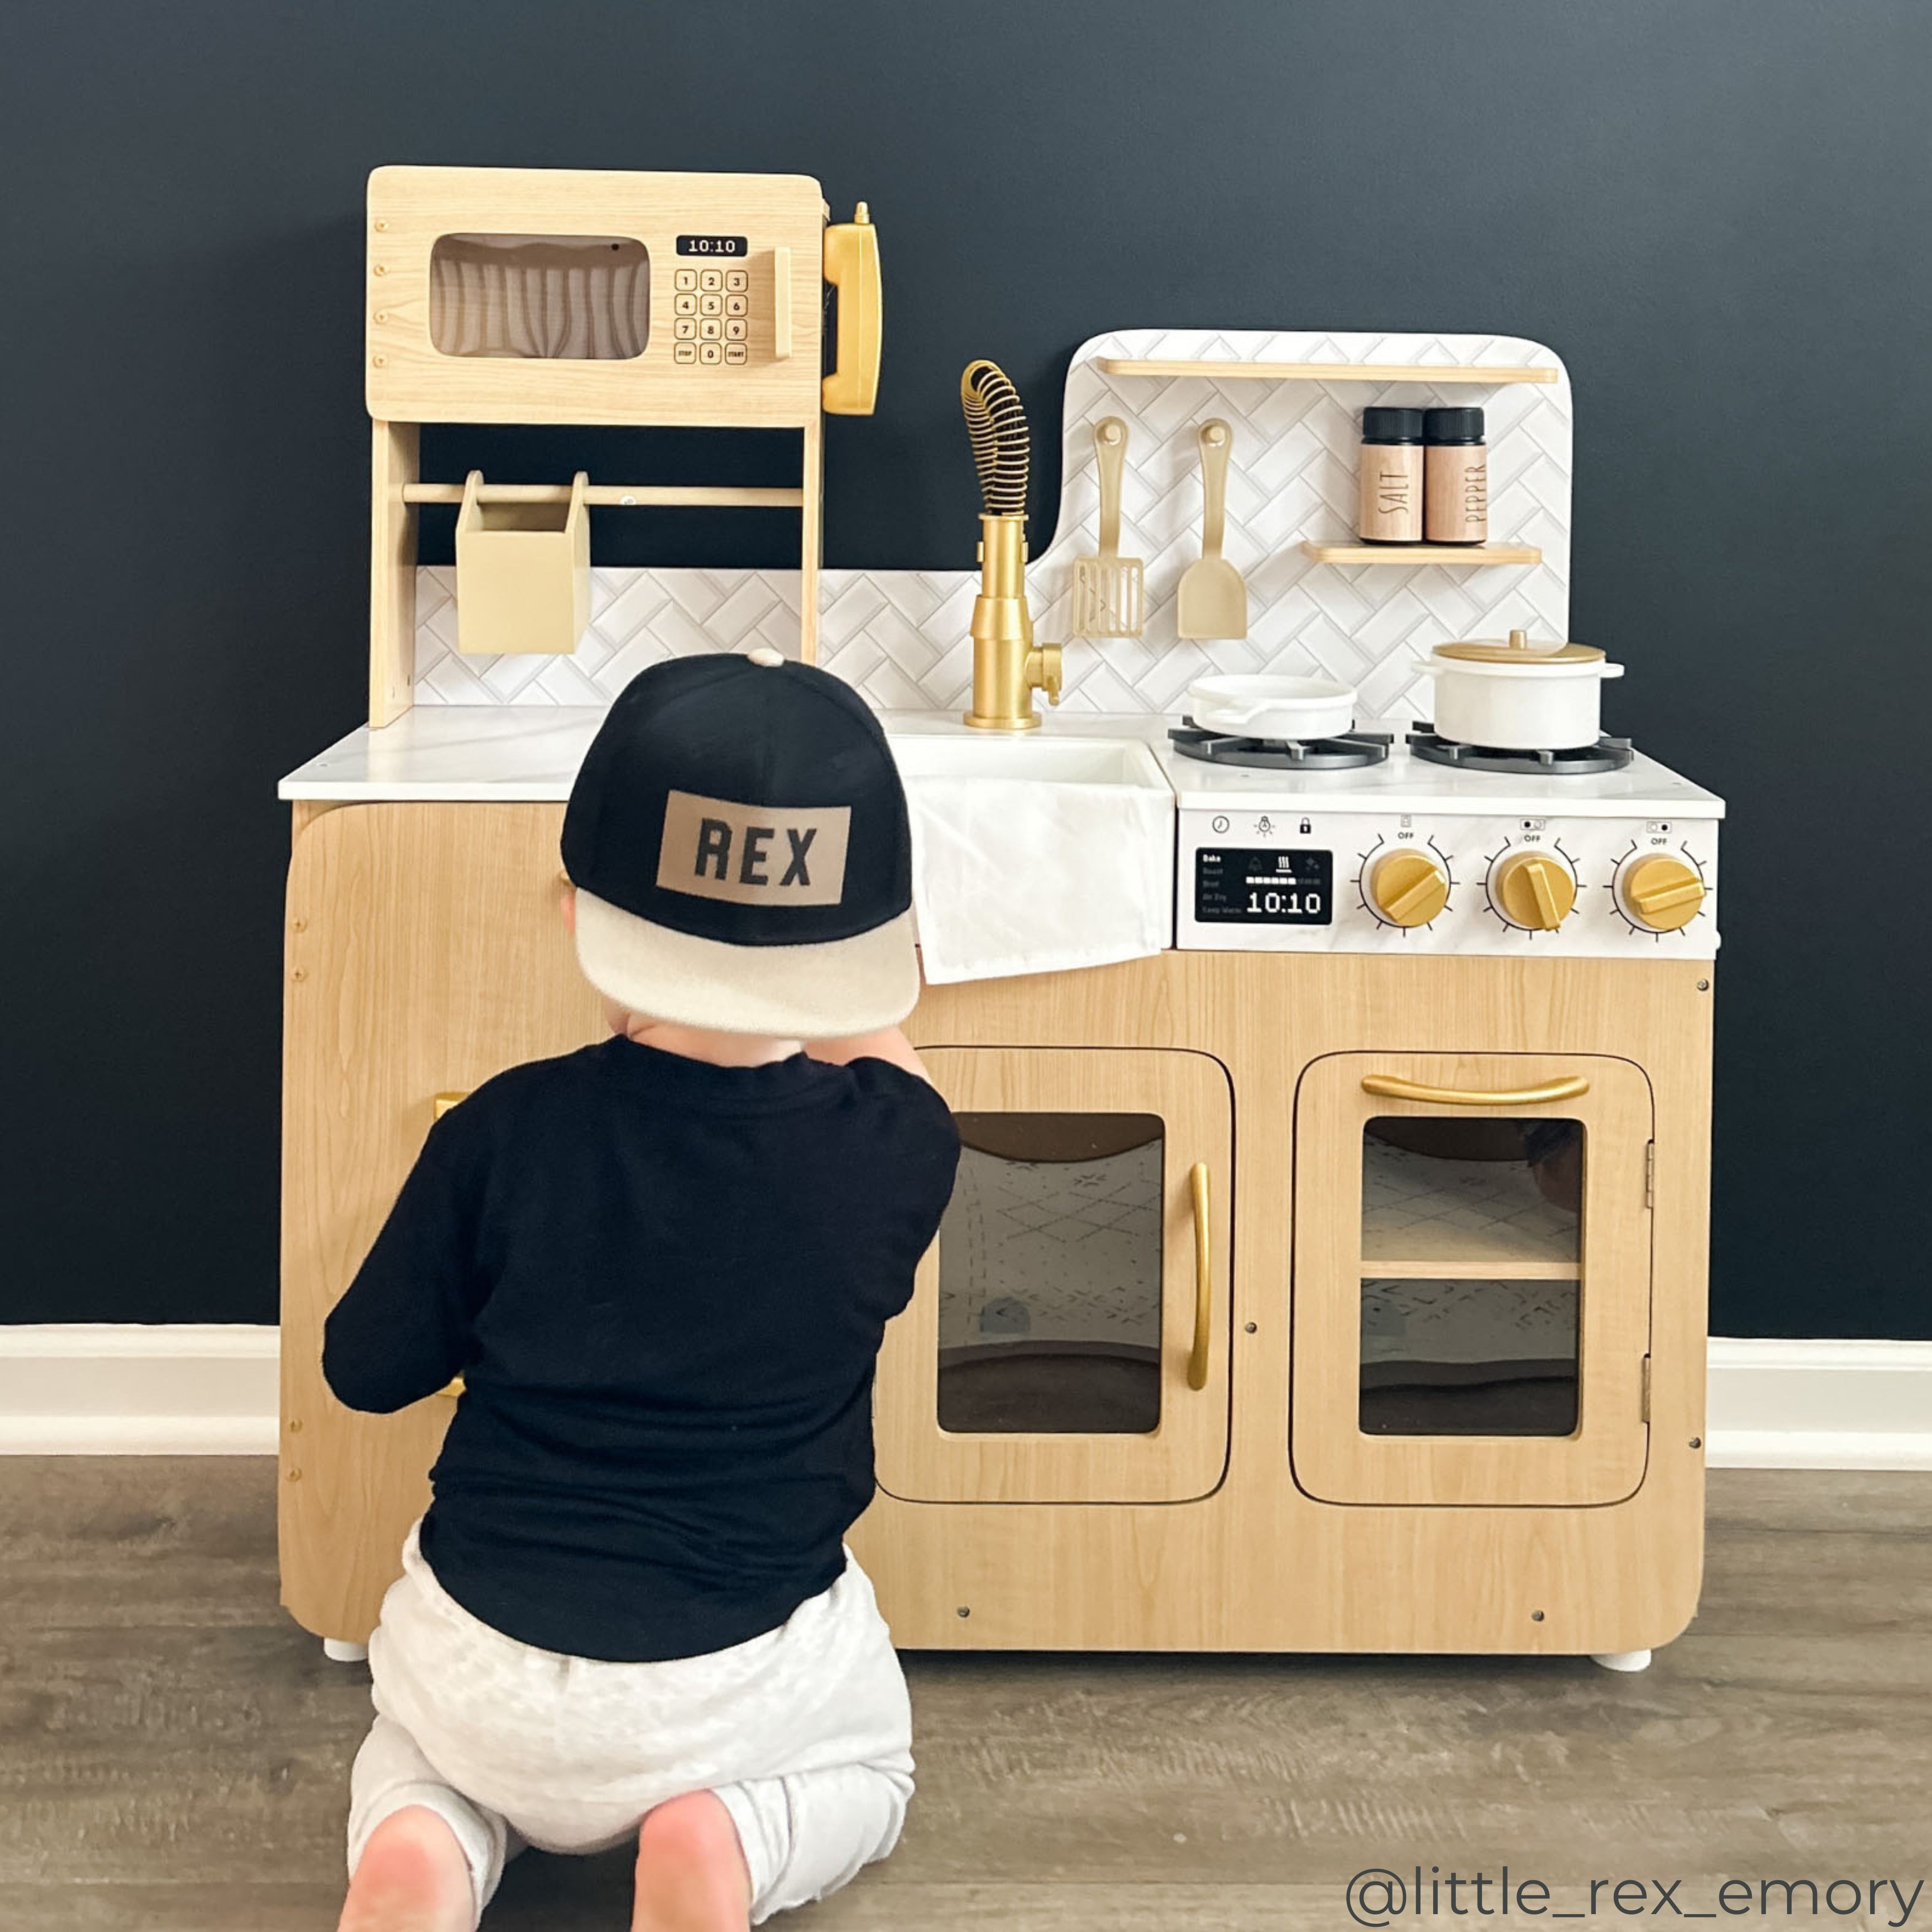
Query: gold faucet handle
{"x":1049,"y":672}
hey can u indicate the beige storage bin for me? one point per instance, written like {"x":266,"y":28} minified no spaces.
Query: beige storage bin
{"x":523,"y":572}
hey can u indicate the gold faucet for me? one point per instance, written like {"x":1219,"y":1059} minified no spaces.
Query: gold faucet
{"x":1008,"y":666}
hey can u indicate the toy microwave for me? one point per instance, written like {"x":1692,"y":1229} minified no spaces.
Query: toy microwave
{"x":564,"y":295}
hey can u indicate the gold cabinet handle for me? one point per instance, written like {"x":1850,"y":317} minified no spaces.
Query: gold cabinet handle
{"x":1204,"y":1278}
{"x":452,"y":1388}
{"x":1572,"y":1087}
{"x":444,"y":1101}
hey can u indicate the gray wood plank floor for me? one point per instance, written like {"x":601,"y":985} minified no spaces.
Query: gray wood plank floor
{"x":173,"y":1749}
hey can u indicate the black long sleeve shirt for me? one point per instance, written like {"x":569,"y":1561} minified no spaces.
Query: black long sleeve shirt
{"x":665,"y":1283}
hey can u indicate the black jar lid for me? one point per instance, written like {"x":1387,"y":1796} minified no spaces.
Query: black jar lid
{"x":1393,"y":425}
{"x":1452,"y":426}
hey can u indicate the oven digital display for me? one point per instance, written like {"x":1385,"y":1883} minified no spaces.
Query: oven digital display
{"x":1251,"y":888}
{"x":722,"y":246}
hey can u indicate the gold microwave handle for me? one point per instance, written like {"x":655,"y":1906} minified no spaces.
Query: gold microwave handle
{"x":781,"y":305}
{"x":1204,"y":1278}
{"x":1572,"y":1087}
{"x":852,"y":268}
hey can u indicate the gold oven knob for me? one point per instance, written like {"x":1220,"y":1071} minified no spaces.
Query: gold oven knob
{"x":1407,"y":888}
{"x":1660,"y":893}
{"x":1534,"y":890}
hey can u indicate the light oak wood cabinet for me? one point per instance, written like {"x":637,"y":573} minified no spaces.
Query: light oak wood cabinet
{"x":1421,"y":1374}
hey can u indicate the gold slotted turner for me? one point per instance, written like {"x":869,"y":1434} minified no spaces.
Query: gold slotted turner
{"x":1110,"y":590}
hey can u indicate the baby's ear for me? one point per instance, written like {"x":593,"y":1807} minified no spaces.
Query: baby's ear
{"x":566,"y":902}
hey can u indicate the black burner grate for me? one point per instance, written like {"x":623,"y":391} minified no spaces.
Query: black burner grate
{"x":1607,"y":754}
{"x":1342,"y":752}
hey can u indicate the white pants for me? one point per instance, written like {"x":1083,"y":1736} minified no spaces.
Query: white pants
{"x":805,"y":1733}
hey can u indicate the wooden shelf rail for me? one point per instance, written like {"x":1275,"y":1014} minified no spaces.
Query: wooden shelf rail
{"x":615,"y":496}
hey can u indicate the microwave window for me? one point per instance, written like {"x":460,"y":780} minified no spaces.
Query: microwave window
{"x":559,"y":298}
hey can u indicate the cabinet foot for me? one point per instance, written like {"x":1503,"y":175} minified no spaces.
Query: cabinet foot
{"x":340,"y":1650}
{"x":1622,"y":1660}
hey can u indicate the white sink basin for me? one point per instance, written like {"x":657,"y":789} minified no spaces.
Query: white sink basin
{"x":1035,"y":853}
{"x":1084,"y":761}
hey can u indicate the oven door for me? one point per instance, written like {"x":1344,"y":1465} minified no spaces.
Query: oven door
{"x":1472,"y":1283}
{"x":1067,"y":1338}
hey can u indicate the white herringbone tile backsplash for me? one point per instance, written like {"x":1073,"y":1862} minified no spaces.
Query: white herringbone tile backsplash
{"x":900,"y":635}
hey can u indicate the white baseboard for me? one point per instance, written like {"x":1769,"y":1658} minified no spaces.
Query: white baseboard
{"x":1822,"y":1405}
{"x":131,"y":1389}
{"x":210,"y":1389}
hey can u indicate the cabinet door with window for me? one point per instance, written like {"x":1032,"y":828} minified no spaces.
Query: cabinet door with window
{"x":1067,"y":1338}
{"x":1472,"y":1286}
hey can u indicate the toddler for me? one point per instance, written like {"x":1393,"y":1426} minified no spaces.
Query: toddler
{"x":663,"y":1265}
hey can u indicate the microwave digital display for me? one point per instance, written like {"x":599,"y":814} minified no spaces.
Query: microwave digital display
{"x":720,"y":247}
{"x":1253,"y":888}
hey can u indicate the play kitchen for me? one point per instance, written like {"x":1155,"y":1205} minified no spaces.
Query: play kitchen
{"x":1326,"y":1269}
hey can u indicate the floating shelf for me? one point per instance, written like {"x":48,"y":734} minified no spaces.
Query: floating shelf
{"x":1362,"y":553}
{"x":1329,"y":372}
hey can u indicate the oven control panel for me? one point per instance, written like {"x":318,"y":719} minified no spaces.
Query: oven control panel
{"x":1249,"y":880}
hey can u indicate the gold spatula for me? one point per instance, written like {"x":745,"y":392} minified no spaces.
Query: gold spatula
{"x":1109,"y":590}
{"x":1213,"y":601}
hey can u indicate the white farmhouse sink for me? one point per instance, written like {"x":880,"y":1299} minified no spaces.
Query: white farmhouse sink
{"x":1036,"y":854}
{"x":1085,"y":761}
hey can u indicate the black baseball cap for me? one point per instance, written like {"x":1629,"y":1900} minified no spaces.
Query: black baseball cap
{"x":738,"y":839}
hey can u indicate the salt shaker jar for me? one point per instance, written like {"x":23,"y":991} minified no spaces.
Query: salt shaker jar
{"x":1391,"y":477}
{"x":1455,"y":492}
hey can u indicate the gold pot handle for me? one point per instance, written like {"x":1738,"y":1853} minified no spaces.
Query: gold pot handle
{"x":1204,"y":1278}
{"x":1571,"y":1086}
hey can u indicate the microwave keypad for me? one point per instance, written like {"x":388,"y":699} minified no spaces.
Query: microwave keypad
{"x":711,"y":317}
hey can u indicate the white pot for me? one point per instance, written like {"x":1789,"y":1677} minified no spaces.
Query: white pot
{"x":1527,"y":698}
{"x":1272,"y":707}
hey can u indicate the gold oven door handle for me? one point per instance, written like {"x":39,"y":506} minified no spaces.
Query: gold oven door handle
{"x":1204,"y":1278}
{"x":1572,"y":1087}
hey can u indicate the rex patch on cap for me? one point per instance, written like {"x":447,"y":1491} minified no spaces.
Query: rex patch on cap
{"x":738,"y":839}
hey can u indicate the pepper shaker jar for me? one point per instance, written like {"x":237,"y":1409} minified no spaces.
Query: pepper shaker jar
{"x":1391,"y":477}
{"x":1455,"y":494}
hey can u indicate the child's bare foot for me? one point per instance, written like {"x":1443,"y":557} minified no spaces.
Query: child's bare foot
{"x":412,"y":1877}
{"x":690,"y":1869}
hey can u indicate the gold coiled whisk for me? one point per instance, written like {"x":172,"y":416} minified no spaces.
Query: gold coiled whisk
{"x":997,"y":425}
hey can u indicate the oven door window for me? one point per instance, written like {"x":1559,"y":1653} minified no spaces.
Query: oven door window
{"x":1050,"y":1277}
{"x":562,"y":298}
{"x":1472,"y":1255}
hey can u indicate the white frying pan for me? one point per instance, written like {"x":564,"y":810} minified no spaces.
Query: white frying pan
{"x":1272,"y":707}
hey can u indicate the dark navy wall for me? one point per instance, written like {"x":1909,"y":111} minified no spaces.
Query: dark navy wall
{"x":1717,"y":214}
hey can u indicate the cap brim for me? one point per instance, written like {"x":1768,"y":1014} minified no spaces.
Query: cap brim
{"x":825,"y":992}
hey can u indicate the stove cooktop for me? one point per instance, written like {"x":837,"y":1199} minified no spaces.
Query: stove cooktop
{"x":1607,"y":754}
{"x":1343,"y":752}
{"x":1621,"y":783}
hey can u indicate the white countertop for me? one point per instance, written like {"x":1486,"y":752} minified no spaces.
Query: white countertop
{"x":511,"y":751}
